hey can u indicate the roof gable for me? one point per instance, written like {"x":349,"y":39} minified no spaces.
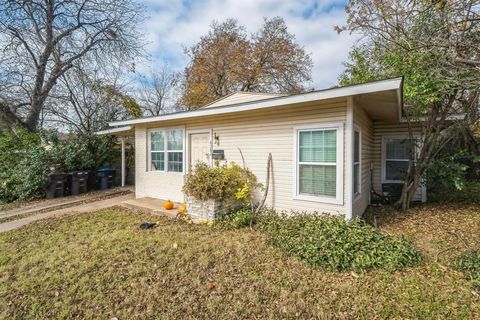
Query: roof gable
{"x":241,"y":97}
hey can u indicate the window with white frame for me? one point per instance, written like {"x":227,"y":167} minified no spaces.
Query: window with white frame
{"x":317,"y":157}
{"x":396,"y":153}
{"x":357,"y":169}
{"x":166,"y":150}
{"x":157,"y":151}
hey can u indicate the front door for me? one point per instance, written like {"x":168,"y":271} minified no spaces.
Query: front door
{"x":199,"y":148}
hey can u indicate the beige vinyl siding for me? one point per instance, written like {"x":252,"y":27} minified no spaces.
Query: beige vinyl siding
{"x":163,"y":185}
{"x":363,"y":122}
{"x":256,"y":133}
{"x":380,"y":130}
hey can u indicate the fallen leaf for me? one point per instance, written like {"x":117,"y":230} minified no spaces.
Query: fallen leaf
{"x":211,"y":286}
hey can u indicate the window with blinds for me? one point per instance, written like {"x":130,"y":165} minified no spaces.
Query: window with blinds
{"x":356,"y":163}
{"x":166,"y":150}
{"x":396,"y":158}
{"x":317,"y":162}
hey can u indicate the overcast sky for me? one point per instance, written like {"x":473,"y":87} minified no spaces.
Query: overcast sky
{"x":173,"y":24}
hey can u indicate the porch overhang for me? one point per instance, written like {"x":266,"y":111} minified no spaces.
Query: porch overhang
{"x":119,"y":132}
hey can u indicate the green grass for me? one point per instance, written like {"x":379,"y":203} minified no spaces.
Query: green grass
{"x":101,"y":265}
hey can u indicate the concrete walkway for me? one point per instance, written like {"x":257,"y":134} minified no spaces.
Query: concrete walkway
{"x":151,"y":206}
{"x":59,"y":203}
{"x":91,"y":206}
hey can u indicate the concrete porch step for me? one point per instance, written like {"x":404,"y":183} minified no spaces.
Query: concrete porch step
{"x":151,"y":206}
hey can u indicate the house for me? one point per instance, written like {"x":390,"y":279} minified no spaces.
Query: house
{"x":330,"y":148}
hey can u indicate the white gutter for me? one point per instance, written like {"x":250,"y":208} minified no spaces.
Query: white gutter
{"x":377,"y":86}
{"x":114,"y":131}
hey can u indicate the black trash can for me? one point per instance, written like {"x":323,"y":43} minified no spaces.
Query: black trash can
{"x":91,"y":180}
{"x":56,"y":184}
{"x":106,"y":178}
{"x":78,"y":182}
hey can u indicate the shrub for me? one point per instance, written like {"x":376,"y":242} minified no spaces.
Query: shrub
{"x":23,"y":164}
{"x":331,"y":243}
{"x":27,"y":157}
{"x":220,"y":183}
{"x":469,"y":264}
{"x":236,"y":219}
{"x":81,"y":152}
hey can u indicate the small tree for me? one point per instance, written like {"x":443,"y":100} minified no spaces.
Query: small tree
{"x":435,"y":46}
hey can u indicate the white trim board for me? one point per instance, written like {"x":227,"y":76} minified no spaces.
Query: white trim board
{"x":357,"y":128}
{"x":339,"y":163}
{"x":149,"y":155}
{"x":384,"y":157}
{"x":371,"y":87}
{"x":187,"y":146}
{"x":114,"y":131}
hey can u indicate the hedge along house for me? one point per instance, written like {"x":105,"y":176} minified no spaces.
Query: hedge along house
{"x":330,"y":148}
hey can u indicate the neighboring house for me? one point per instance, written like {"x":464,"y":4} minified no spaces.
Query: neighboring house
{"x":330,"y":148}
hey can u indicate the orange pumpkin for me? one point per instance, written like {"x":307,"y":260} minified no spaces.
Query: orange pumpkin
{"x":168,"y":205}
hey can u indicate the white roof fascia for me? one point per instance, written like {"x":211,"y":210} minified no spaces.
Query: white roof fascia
{"x":377,"y":86}
{"x":114,"y":130}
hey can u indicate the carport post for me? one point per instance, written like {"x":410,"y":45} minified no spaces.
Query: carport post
{"x":122,"y":140}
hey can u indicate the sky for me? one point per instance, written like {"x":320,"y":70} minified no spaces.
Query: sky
{"x":171,"y":25}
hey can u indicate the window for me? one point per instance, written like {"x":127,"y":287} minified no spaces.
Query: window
{"x":157,"y":151}
{"x":318,"y":176}
{"x":166,"y":150}
{"x":357,"y":179}
{"x":396,"y":152}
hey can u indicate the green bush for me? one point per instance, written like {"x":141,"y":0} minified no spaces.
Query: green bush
{"x":469,"y":264}
{"x":23,"y":163}
{"x":331,"y":243}
{"x":81,"y":152}
{"x":451,"y":176}
{"x":236,"y":219}
{"x":26,"y":158}
{"x":220,"y":183}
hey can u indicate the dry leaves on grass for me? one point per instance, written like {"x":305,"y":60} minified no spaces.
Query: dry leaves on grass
{"x":103,"y":266}
{"x":439,"y":231}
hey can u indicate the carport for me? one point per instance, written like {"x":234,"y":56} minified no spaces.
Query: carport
{"x":122,"y":134}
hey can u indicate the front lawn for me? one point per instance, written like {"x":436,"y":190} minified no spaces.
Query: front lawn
{"x":101,"y":265}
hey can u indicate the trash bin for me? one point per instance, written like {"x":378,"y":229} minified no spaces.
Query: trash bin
{"x":56,"y":183}
{"x":91,"y":180}
{"x":106,"y":178}
{"x":78,"y":182}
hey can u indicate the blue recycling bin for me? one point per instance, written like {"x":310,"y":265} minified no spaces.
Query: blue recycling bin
{"x":106,"y":178}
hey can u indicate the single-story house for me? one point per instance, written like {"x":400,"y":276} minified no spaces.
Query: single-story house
{"x":330,"y":148}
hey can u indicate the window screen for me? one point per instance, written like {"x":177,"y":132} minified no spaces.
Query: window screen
{"x":317,"y":166}
{"x":396,"y":159}
{"x":356,"y":164}
{"x":166,"y":150}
